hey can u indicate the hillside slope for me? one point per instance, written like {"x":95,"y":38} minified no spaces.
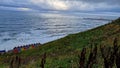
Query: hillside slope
{"x":63,"y":53}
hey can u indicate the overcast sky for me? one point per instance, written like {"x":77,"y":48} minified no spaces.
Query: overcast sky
{"x":64,"y":5}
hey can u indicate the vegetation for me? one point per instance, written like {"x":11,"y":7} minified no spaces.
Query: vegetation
{"x":95,"y":48}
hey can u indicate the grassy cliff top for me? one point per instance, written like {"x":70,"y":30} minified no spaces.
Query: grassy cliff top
{"x":75,"y":42}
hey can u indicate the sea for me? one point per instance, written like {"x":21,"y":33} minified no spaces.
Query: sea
{"x":22,"y":28}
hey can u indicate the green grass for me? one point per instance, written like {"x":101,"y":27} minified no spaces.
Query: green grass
{"x":64,"y":52}
{"x":3,"y":65}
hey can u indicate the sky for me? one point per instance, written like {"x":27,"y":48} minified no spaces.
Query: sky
{"x":61,"y":5}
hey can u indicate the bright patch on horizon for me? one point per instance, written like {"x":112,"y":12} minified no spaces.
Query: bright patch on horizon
{"x":24,"y":9}
{"x":16,"y":8}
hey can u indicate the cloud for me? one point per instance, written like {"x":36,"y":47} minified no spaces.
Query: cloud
{"x":112,"y":2}
{"x":6,"y":1}
{"x":66,"y":5}
{"x":50,"y":4}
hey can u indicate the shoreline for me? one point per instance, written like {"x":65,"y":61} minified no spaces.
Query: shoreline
{"x":53,"y":38}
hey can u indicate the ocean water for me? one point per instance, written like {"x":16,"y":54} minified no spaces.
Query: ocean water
{"x":21,"y":28}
